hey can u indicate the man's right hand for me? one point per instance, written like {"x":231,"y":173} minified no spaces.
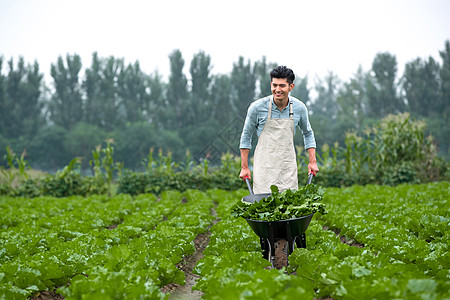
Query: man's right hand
{"x":245,"y":172}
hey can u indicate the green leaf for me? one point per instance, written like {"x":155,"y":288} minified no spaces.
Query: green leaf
{"x":286,"y":205}
{"x":422,"y":285}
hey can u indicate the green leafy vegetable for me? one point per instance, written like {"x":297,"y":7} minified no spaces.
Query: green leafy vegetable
{"x":286,"y":205}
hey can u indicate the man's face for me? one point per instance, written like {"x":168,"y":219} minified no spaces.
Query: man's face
{"x":280,"y":89}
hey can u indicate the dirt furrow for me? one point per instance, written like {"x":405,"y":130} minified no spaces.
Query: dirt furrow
{"x":187,"y":265}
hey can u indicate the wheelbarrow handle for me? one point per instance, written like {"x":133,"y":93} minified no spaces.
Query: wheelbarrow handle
{"x":310,"y":177}
{"x":249,"y":185}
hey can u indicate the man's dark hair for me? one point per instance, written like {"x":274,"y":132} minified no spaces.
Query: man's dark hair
{"x":281,"y":72}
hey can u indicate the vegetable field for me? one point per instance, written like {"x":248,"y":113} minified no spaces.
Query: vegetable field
{"x":375,"y":242}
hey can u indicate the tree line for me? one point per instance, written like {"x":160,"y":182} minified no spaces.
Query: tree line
{"x":199,"y":115}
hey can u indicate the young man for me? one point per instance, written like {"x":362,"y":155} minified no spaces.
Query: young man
{"x":275,"y":119}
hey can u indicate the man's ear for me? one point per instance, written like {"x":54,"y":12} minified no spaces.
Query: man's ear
{"x":291,"y":86}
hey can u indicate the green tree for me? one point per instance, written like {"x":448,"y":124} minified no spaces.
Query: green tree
{"x":243,"y":87}
{"x":20,"y":96}
{"x":157,"y":101}
{"x":171,"y":141}
{"x":81,"y":140}
{"x":93,"y":90}
{"x":325,"y":103}
{"x":352,"y":100}
{"x":200,"y":106}
{"x":134,"y":93}
{"x":133,"y":143}
{"x":301,"y":90}
{"x":31,"y":111}
{"x":177,"y":94}
{"x":3,"y":144}
{"x":102,"y":95}
{"x":445,"y":80}
{"x":13,"y":99}
{"x":262,"y":74}
{"x":421,"y":87}
{"x":324,"y":109}
{"x":221,"y":102}
{"x":110,"y":109}
{"x":438,"y":124}
{"x":5,"y":104}
{"x":66,"y":105}
{"x":382,"y":87}
{"x":46,"y":151}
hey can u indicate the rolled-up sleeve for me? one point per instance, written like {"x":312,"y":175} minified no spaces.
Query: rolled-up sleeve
{"x":309,"y":140}
{"x":250,"y":124}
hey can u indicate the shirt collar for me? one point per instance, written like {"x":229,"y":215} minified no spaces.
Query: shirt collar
{"x":275,"y":107}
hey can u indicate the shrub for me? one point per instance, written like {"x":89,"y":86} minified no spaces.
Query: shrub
{"x":391,"y":152}
{"x":136,"y":183}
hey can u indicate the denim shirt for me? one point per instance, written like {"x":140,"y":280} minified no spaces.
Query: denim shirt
{"x":257,"y":114}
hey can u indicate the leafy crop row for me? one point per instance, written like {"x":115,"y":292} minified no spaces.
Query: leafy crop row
{"x":405,"y":255}
{"x":405,"y":232}
{"x":233,"y":266}
{"x":48,"y":242}
{"x":128,"y":248}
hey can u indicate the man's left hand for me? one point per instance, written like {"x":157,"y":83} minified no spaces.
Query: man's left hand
{"x":313,"y":168}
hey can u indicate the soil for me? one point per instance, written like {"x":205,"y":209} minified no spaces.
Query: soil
{"x":47,"y":296}
{"x":281,"y":260}
{"x":187,"y":265}
{"x":344,"y":239}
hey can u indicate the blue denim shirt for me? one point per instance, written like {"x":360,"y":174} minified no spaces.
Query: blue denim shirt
{"x":257,"y":114}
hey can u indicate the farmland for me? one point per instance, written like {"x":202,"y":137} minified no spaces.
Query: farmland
{"x":376,"y":242}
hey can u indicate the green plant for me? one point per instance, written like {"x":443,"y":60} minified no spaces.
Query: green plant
{"x":390,"y":152}
{"x":205,"y":165}
{"x":230,"y":163}
{"x":104,"y":165}
{"x":283,"y":206}
{"x":188,"y":164}
{"x":18,"y":167}
{"x":149,"y":161}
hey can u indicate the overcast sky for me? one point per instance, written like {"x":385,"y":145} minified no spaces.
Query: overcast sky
{"x":311,"y":37}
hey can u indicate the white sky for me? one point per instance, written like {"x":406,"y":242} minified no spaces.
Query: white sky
{"x":311,"y":37}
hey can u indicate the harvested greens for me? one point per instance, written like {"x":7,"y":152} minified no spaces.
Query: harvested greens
{"x":286,"y":205}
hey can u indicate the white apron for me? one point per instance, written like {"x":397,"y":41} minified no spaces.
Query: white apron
{"x":275,"y":161}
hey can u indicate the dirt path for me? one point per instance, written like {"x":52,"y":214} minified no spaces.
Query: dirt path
{"x":187,"y":265}
{"x":47,"y":296}
{"x":344,"y":239}
{"x":281,"y":259}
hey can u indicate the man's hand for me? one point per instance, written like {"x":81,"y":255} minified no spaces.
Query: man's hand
{"x":312,"y":166}
{"x":245,"y":172}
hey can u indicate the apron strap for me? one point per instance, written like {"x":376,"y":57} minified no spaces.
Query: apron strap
{"x":269,"y":116}
{"x":291,"y":109}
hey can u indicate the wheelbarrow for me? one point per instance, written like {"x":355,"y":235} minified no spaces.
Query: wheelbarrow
{"x":270,"y":232}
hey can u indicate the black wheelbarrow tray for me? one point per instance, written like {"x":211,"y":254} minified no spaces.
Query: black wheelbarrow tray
{"x":292,"y":230}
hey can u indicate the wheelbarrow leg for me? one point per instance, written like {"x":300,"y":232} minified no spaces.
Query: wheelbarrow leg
{"x":264,"y":247}
{"x":271,"y":244}
{"x":301,"y":241}
{"x":290,"y":244}
{"x":268,"y":248}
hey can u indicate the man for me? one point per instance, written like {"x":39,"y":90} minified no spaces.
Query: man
{"x":275,"y":118}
